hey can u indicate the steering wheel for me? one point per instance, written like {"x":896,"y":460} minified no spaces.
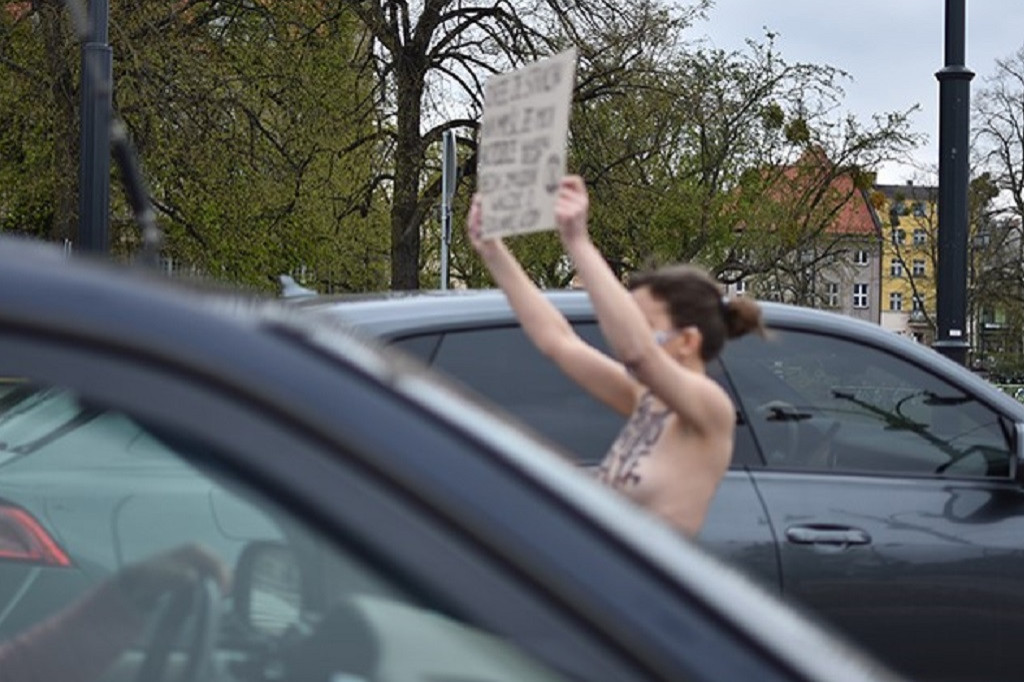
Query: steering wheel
{"x":784,"y":450}
{"x":201,"y":599}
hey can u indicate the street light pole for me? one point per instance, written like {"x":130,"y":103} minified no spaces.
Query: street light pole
{"x":954,"y":125}
{"x":95,"y":116}
{"x":449,"y":176}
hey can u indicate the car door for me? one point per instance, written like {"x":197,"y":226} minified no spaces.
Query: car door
{"x":500,"y":363}
{"x":420,"y":556}
{"x":892,"y":493}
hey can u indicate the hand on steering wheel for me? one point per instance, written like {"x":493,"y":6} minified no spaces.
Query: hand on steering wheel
{"x":145,"y":582}
{"x":185,"y":581}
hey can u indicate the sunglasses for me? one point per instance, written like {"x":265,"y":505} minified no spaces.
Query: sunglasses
{"x":663,"y":336}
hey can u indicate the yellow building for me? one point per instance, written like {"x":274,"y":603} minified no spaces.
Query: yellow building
{"x":909,"y":218}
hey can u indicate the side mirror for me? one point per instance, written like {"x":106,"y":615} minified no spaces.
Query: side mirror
{"x":268,"y":588}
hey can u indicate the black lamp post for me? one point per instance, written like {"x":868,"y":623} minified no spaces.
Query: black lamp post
{"x":954,"y":124}
{"x":95,"y":117}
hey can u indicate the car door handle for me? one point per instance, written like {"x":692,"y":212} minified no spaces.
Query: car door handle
{"x":817,"y":535}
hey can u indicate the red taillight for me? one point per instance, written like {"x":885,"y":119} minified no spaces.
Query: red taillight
{"x":23,"y":539}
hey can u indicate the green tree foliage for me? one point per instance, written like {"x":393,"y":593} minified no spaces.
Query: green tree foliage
{"x":244,"y":113}
{"x":280,"y":134}
{"x":38,"y":121}
{"x":735,"y":160}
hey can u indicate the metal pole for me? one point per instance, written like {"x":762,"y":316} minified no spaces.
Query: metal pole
{"x":448,"y":178}
{"x":954,"y":126}
{"x":95,"y":116}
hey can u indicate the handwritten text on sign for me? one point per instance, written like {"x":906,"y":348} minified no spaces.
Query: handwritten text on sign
{"x":523,"y":139}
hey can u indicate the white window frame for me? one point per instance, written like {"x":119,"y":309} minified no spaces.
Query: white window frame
{"x":896,"y":267}
{"x":860,"y":257}
{"x":919,"y":267}
{"x":860,"y":295}
{"x":832,"y":294}
{"x":895,"y":301}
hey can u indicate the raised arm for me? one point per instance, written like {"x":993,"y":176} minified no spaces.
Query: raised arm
{"x":691,"y":395}
{"x":548,"y":329}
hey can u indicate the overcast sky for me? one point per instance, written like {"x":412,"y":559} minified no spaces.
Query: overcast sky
{"x":891,"y":48}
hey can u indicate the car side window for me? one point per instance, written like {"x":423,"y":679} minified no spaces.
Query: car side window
{"x":502,"y":364}
{"x":107,"y":524}
{"x":819,"y":402}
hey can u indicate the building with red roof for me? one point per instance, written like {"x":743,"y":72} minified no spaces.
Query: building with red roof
{"x":825,"y":213}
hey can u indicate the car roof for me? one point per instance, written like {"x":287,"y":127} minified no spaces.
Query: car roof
{"x":423,"y":311}
{"x":86,"y":300}
{"x":392,"y":314}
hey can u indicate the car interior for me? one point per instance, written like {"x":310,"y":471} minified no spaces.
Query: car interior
{"x":300,"y":605}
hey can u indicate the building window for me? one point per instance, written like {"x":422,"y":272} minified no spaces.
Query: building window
{"x":899,"y":236}
{"x":740,"y":287}
{"x":918,"y":209}
{"x":920,"y":237}
{"x":895,"y":301}
{"x":860,"y":258}
{"x":832,"y":294}
{"x":919,"y":270}
{"x":896,"y":267}
{"x":918,"y":303}
{"x":860,"y":295}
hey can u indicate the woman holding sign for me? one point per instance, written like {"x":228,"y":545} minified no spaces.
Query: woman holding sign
{"x":677,"y":444}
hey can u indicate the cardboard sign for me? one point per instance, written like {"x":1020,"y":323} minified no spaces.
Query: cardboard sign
{"x":523,"y":138}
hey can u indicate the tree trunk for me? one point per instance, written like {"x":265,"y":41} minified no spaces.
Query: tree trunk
{"x":405,"y":213}
{"x":66,"y":125}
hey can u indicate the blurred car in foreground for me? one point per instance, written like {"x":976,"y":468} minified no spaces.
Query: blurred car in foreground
{"x":382,"y":527}
{"x":872,"y":480}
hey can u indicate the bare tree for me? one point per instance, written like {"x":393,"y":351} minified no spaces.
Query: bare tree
{"x":433,"y":58}
{"x":998,"y":128}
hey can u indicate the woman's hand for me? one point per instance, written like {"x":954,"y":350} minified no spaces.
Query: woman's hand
{"x":486,"y":247}
{"x":572,"y":206}
{"x":144,"y":582}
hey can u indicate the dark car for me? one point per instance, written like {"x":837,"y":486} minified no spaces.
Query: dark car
{"x":872,"y":479}
{"x":382,"y":526}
